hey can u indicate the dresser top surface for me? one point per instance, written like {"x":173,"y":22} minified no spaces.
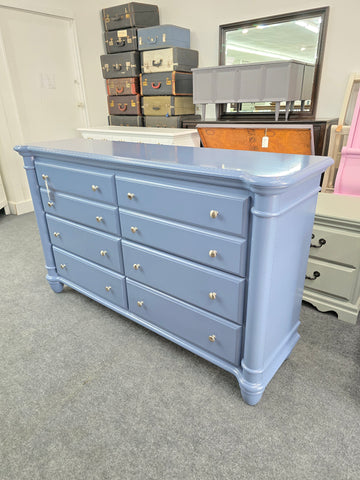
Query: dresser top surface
{"x":256,"y":168}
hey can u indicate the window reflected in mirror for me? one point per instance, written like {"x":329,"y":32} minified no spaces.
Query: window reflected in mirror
{"x":297,"y":36}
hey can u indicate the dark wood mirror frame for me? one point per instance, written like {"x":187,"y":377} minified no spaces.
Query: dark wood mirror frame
{"x":261,"y":116}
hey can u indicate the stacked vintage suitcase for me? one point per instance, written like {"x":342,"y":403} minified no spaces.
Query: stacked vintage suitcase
{"x":121,"y":65}
{"x":166,"y":78}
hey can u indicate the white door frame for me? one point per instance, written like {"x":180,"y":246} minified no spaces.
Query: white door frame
{"x":10,"y":124}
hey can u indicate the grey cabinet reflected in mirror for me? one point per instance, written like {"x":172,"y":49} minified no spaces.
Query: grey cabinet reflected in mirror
{"x":295,"y":37}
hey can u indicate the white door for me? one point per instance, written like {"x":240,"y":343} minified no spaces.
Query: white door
{"x":41,"y":62}
{"x":41,"y":90}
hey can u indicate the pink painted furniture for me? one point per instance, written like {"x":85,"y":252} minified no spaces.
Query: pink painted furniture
{"x":348,"y":176}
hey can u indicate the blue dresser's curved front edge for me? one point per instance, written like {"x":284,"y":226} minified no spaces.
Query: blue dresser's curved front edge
{"x":273,"y":196}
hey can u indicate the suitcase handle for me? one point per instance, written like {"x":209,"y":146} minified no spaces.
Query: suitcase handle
{"x":156,"y":108}
{"x":157,"y":64}
{"x":122,"y":107}
{"x":119,"y":90}
{"x":121,"y":43}
{"x":152,"y":40}
{"x":118,"y":17}
{"x":156,"y":85}
{"x":117,"y":66}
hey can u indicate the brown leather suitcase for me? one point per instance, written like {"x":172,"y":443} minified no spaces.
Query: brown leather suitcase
{"x":124,"y":105}
{"x":123,"y":86}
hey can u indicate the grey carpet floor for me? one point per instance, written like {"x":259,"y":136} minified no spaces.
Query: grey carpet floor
{"x":87,"y":394}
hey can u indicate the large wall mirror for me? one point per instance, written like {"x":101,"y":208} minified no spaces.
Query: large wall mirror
{"x":298,"y":36}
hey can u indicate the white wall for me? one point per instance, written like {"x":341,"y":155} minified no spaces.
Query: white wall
{"x":203,"y":17}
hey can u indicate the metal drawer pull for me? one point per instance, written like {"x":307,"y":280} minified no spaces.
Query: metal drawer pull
{"x":56,"y":234}
{"x":136,"y":266}
{"x":108,"y":288}
{"x":103,"y":253}
{"x":50,"y":204}
{"x":95,"y":187}
{"x":212,"y":253}
{"x":316,"y":274}
{"x":322,"y":242}
{"x":134,"y":229}
{"x":212,"y":295}
{"x":131,"y":196}
{"x":212,"y":338}
{"x":44,"y":177}
{"x":98,"y":219}
{"x":62,"y":265}
{"x":214,"y":213}
{"x":140,"y":303}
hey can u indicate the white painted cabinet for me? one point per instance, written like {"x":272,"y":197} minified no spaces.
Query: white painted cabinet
{"x":333,"y":271}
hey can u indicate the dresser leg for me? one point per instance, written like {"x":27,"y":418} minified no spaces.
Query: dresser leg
{"x":251,"y":398}
{"x":55,"y":284}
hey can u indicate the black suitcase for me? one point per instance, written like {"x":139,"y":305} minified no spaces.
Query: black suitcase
{"x":126,"y":120}
{"x":118,"y":65}
{"x":121,"y":40}
{"x":131,"y":14}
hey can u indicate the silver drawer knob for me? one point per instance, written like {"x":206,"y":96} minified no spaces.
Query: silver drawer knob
{"x":212,"y":253}
{"x":56,"y":234}
{"x":140,"y":303}
{"x":94,"y":187}
{"x":214,"y":213}
{"x":108,"y":288}
{"x":44,"y":177}
{"x":136,"y":266}
{"x":50,"y":204}
{"x":62,"y":265}
{"x":212,"y":338}
{"x":99,"y":219}
{"x":134,"y":229}
{"x":103,"y":253}
{"x":212,"y":295}
{"x":130,"y":196}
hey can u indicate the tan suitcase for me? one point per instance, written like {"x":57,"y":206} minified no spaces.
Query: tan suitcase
{"x":167,"y":105}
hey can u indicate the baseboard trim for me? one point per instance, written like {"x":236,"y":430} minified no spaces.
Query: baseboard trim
{"x":19,"y":208}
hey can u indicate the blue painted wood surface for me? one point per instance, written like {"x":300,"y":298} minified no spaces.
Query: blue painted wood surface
{"x":266,"y":205}
{"x":186,"y":321}
{"x":185,"y":241}
{"x":102,"y":282}
{"x":93,"y":214}
{"x":88,"y":243}
{"x":187,"y":205}
{"x":94,"y":184}
{"x":186,"y":280}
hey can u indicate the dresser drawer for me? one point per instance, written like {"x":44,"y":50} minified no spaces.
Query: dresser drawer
{"x":93,"y":184}
{"x":221,"y":212}
{"x":218,"y":251}
{"x":93,"y":214}
{"x":213,"y":334}
{"x":336,"y":245}
{"x":98,"y":247}
{"x":334,"y":279}
{"x":98,"y":280}
{"x":217,"y":292}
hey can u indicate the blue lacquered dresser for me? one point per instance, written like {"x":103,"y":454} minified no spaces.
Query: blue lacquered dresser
{"x":205,"y":247}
